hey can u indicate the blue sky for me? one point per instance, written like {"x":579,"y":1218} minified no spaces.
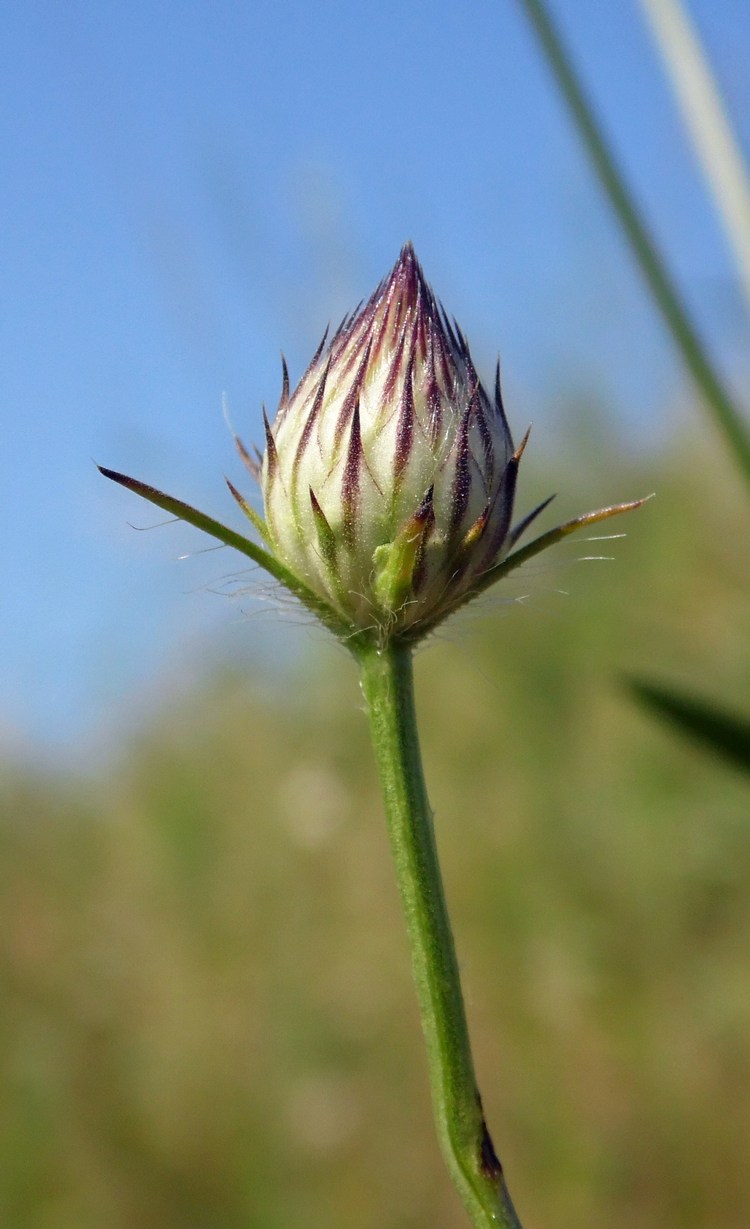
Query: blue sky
{"x":189,"y":189}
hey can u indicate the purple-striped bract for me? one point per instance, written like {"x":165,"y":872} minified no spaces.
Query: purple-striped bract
{"x":389,"y":473}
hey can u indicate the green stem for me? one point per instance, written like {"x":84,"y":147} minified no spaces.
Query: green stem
{"x":718,"y":400}
{"x":387,"y":683}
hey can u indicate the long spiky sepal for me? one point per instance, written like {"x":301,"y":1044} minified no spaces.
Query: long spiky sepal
{"x":229,"y":537}
{"x":541,"y":543}
{"x":550,"y":538}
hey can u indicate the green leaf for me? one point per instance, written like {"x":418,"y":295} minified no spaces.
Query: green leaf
{"x":725,"y":733}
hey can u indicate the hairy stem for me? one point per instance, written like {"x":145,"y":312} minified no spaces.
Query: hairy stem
{"x":387,"y":683}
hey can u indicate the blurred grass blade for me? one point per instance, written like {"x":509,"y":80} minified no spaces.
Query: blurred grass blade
{"x":727,"y":734}
{"x":707,"y":123}
{"x":717,"y":399}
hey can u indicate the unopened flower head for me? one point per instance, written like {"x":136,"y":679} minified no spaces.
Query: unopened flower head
{"x":389,"y":473}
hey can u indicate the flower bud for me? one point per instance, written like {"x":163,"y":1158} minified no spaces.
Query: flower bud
{"x":389,"y":474}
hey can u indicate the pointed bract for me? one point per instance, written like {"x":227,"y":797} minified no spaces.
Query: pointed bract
{"x":391,"y":409}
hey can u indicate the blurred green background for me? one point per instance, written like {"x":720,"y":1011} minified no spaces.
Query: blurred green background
{"x":206,"y":1013}
{"x":208,"y":1020}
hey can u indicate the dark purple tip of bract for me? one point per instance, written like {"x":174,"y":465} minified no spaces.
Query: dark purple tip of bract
{"x":408,"y":281}
{"x":402,"y":314}
{"x":407,"y":263}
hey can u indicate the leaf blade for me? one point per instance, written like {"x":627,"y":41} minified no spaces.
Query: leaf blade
{"x":725,"y":733}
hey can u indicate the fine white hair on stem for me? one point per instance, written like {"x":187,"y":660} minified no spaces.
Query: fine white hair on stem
{"x":201,"y":550}
{"x":172,"y":520}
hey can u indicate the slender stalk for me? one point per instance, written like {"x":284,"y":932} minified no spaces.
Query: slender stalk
{"x":715,"y":394}
{"x":707,"y":122}
{"x":387,"y":683}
